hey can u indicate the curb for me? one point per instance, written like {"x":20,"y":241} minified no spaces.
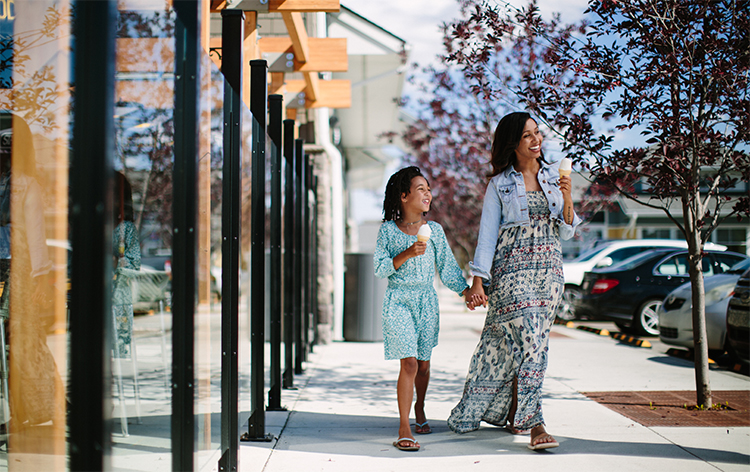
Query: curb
{"x":685,"y":354}
{"x":632,"y":340}
{"x":600,"y":332}
{"x":567,"y":324}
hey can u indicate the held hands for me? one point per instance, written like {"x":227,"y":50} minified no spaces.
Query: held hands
{"x":474,"y":295}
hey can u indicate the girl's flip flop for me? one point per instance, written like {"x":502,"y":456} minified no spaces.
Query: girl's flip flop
{"x":423,"y":428}
{"x":413,"y":447}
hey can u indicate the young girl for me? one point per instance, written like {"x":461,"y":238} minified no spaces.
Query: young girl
{"x":410,"y":306}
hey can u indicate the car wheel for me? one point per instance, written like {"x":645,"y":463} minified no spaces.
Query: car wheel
{"x":646,"y":319}
{"x":566,"y":309}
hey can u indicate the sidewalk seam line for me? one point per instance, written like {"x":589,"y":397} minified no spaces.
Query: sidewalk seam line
{"x":651,"y":428}
{"x":300,"y":389}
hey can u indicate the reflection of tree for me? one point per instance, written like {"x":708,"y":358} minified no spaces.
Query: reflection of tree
{"x":33,"y":95}
{"x":145,"y":142}
{"x":152,"y":24}
{"x":145,"y":130}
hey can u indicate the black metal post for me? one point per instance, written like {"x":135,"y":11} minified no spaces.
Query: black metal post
{"x":91,"y":177}
{"x":275,"y":134}
{"x":185,"y":238}
{"x":307,"y":306}
{"x":232,"y":36}
{"x":289,"y":274}
{"x":259,"y":110}
{"x":314,"y":255}
{"x":299,"y":233}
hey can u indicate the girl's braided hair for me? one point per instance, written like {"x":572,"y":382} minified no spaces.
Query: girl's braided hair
{"x":399,"y":184}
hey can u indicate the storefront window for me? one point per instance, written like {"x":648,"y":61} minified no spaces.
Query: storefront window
{"x":35,"y":103}
{"x":142,"y":236}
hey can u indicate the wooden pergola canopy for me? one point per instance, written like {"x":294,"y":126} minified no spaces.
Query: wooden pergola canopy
{"x":278,"y":6}
{"x":296,"y":52}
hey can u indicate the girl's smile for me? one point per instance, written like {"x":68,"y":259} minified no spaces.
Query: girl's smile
{"x":419,"y":198}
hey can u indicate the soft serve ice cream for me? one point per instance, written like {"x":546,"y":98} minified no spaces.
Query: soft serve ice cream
{"x":565,"y":167}
{"x":424,"y":233}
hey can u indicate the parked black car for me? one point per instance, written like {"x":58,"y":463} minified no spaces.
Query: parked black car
{"x":631,"y":292}
{"x":738,"y":319}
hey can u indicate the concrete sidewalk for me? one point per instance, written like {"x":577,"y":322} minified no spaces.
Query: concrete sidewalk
{"x":344,"y":415}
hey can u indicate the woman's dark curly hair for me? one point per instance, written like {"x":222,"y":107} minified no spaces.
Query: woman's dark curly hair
{"x":399,"y":184}
{"x":507,"y":136}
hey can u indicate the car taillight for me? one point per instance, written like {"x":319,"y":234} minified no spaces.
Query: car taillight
{"x":604,"y":285}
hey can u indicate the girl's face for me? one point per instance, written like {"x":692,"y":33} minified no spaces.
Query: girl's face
{"x":530,"y":146}
{"x":419,"y":197}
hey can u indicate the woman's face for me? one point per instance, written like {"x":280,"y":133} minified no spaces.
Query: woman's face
{"x":530,"y":146}
{"x":419,"y":197}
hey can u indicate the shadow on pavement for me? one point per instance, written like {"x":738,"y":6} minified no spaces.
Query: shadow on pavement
{"x":373,"y":435}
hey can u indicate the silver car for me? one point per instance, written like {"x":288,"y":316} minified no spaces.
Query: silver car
{"x":676,"y":312}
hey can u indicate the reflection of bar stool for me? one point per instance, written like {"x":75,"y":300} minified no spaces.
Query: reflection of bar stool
{"x":118,"y":374}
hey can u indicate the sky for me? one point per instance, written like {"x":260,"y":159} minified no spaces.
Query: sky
{"x":419,"y":22}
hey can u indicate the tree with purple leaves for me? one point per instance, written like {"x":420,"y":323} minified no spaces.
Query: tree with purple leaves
{"x":457,"y":111}
{"x":675,"y":71}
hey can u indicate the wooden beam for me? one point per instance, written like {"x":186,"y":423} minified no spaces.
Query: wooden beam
{"x":251,"y":36}
{"x":304,"y":5}
{"x":331,"y":93}
{"x":277,"y":6}
{"x":215,"y":43}
{"x":326,"y":54}
{"x":205,"y":25}
{"x":312,"y":86}
{"x":250,"y":52}
{"x":298,"y":34}
{"x":277,"y":83}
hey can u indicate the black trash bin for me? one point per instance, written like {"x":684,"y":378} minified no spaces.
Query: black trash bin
{"x":363,"y":299}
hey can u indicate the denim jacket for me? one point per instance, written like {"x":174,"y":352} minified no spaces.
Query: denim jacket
{"x":505,"y":206}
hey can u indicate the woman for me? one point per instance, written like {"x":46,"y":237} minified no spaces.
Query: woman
{"x":127,"y":263}
{"x":527,"y":209}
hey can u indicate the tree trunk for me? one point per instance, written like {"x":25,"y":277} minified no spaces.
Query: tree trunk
{"x":700,"y":343}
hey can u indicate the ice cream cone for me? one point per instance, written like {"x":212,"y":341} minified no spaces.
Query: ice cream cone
{"x":565,"y":167}
{"x":424,"y":233}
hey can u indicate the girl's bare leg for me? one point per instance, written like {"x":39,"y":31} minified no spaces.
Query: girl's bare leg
{"x":421,"y":382}
{"x":405,"y":394}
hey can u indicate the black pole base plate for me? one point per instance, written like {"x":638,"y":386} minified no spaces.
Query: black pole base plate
{"x":265,"y":438}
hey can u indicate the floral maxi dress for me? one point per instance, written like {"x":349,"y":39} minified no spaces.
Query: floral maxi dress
{"x":527,"y":283}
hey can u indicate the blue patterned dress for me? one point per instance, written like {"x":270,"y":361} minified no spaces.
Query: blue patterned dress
{"x":127,"y":266}
{"x":411,"y":317}
{"x":526,"y":285}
